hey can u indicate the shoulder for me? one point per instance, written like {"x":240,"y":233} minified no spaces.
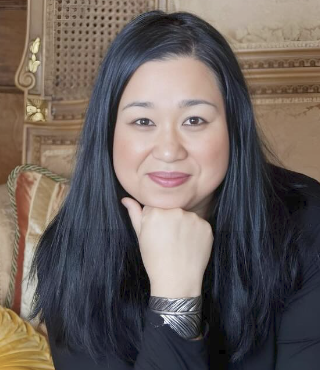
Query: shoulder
{"x":301,"y":194}
{"x":304,"y":199}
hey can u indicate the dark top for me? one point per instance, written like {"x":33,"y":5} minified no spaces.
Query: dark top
{"x":293,"y":341}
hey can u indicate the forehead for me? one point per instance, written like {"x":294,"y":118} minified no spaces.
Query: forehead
{"x":174,"y":66}
{"x":174,"y":76}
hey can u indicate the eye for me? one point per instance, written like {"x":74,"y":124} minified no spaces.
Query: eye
{"x":143,"y":120}
{"x":195,"y":119}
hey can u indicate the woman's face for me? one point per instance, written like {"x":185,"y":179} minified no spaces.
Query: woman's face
{"x":167,"y":128}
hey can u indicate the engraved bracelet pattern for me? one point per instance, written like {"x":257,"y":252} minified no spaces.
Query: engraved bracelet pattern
{"x":183,"y":315}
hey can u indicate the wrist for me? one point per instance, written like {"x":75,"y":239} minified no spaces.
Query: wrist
{"x":175,"y":293}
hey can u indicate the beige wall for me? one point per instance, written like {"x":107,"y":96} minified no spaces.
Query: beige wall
{"x":244,"y":21}
{"x":293,"y":130}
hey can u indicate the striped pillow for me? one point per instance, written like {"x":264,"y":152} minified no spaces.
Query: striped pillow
{"x":36,"y":195}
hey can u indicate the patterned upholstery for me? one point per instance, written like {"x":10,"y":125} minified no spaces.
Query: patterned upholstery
{"x":35,"y":195}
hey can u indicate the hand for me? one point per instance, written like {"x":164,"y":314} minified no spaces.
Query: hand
{"x":175,"y":247}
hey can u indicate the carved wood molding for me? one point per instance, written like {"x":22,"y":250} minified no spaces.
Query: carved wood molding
{"x":40,"y":140}
{"x":26,"y":79}
{"x":295,"y":99}
{"x":69,"y":111}
{"x":277,"y":72}
{"x":277,"y":93}
{"x":312,"y":44}
{"x":284,"y":89}
{"x":289,"y":58}
{"x":37,"y":135}
{"x":36,"y":110}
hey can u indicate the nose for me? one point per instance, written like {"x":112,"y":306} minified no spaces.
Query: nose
{"x":169,"y":145}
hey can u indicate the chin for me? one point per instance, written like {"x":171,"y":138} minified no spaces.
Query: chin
{"x":163,"y":206}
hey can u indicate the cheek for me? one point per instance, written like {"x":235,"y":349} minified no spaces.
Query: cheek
{"x":120,"y":152}
{"x":215,"y":164}
{"x":127,"y":153}
{"x":214,"y":152}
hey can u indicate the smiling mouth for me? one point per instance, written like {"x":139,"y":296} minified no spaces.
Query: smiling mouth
{"x":169,"y":175}
{"x":169,"y":182}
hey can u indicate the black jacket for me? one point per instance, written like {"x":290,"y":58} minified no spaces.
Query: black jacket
{"x":293,"y":342}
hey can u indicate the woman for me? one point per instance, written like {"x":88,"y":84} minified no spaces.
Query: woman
{"x":232,"y":240}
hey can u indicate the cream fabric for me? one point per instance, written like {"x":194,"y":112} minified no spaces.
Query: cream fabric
{"x":7,"y":228}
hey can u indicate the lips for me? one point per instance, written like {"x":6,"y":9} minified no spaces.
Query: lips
{"x":169,"y":175}
{"x":169,"y":182}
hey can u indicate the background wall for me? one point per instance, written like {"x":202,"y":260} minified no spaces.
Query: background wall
{"x":290,"y":121}
{"x":258,"y":21}
{"x":278,"y":46}
{"x":12,"y":36}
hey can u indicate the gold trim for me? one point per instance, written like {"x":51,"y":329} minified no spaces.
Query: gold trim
{"x":256,"y":46}
{"x":307,"y":98}
{"x":33,"y":63}
{"x":36,"y":110}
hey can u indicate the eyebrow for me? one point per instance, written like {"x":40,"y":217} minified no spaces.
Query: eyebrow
{"x":182,"y":103}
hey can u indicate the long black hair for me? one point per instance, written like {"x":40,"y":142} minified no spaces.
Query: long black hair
{"x":92,"y":287}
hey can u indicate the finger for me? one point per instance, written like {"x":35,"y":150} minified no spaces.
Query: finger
{"x":135,"y":212}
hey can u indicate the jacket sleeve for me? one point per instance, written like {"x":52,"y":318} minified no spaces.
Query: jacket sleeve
{"x":163,"y":349}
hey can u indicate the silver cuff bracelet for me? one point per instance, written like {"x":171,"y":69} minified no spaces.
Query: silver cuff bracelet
{"x":183,"y":315}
